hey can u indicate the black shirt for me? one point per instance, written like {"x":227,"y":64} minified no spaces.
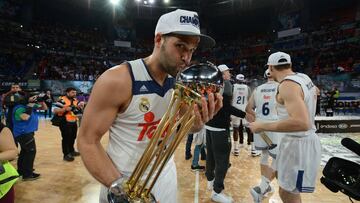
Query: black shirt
{"x":222,"y":118}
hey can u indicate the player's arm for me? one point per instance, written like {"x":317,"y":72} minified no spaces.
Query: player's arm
{"x":110,"y":93}
{"x":249,"y":109}
{"x":298,"y":120}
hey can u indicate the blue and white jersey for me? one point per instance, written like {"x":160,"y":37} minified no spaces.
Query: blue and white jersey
{"x":132,"y":130}
{"x":241,"y":95}
{"x":310,"y":98}
{"x":265,"y":101}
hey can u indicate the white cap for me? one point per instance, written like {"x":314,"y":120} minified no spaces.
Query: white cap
{"x":223,"y":67}
{"x":182,"y":22}
{"x":240,"y":77}
{"x":279,"y":58}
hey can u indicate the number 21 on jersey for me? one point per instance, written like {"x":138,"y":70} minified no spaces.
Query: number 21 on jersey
{"x":240,"y":100}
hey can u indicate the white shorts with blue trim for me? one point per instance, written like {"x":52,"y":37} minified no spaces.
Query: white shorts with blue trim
{"x":298,"y":162}
{"x":260,"y":144}
{"x":235,"y":121}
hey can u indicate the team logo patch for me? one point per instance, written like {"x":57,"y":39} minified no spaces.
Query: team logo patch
{"x":144,"y":105}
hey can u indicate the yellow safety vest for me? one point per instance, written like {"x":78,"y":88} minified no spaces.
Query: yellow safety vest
{"x":8,"y":177}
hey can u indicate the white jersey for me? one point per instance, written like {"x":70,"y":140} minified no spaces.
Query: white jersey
{"x":132,"y":130}
{"x":265,"y":101}
{"x":241,"y":94}
{"x":310,"y":98}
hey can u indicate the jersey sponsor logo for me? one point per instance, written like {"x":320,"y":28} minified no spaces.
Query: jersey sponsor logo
{"x":193,"y":20}
{"x":267,"y":97}
{"x":143,"y":89}
{"x":240,"y":88}
{"x":149,"y":127}
{"x":268,"y":90}
{"x":144,"y":105}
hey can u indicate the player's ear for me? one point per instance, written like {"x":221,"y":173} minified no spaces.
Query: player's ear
{"x":157,"y":39}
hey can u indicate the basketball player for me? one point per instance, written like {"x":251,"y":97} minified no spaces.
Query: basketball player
{"x":263,"y":101}
{"x":130,"y":99}
{"x":299,"y":155}
{"x":241,"y":94}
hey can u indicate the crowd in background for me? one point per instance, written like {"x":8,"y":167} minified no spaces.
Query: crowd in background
{"x":44,"y":50}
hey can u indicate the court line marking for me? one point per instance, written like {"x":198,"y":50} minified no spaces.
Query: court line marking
{"x":196,"y":196}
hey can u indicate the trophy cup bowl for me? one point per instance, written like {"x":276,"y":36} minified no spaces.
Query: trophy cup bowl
{"x":191,"y":84}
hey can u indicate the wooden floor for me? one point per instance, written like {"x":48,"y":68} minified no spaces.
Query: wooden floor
{"x":64,"y":182}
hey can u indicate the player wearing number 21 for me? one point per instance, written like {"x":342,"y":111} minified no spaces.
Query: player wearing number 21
{"x":241,"y":94}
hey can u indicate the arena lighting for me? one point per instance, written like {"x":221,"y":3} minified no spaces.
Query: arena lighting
{"x":166,"y":1}
{"x":137,"y":0}
{"x":114,"y":2}
{"x":145,"y":2}
{"x":151,"y":1}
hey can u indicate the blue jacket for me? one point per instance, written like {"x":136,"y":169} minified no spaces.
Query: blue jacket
{"x":24,"y":127}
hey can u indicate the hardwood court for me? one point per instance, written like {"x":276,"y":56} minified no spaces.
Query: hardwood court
{"x":69,"y":182}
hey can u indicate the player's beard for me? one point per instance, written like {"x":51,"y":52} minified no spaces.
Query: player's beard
{"x":165,"y":61}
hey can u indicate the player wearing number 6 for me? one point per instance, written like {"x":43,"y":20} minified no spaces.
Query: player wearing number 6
{"x":241,"y":94}
{"x":299,"y":155}
{"x":263,"y":102}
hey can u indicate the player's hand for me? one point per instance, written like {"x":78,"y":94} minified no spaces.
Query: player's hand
{"x":255,"y":127}
{"x":209,"y":109}
{"x":249,"y":117}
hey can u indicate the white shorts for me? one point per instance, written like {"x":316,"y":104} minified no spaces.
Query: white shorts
{"x":298,"y":162}
{"x":164,"y":190}
{"x":235,"y":121}
{"x":260,"y":144}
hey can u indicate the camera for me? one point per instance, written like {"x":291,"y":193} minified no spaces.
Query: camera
{"x":75,"y":110}
{"x":35,"y":97}
{"x":343,"y":175}
{"x":15,"y":98}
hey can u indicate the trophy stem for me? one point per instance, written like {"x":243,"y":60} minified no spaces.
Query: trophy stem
{"x":181,"y":133}
{"x":149,"y":154}
{"x":162,"y":150}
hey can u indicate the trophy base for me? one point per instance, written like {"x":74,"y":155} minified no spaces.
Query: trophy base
{"x":124,"y":198}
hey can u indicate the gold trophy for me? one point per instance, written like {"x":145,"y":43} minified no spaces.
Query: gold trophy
{"x":191,"y":84}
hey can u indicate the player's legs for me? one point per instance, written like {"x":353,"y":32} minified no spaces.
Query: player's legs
{"x":235,"y":121}
{"x":289,"y":197}
{"x":267,"y":175}
{"x":241,"y":132}
{"x":265,"y":169}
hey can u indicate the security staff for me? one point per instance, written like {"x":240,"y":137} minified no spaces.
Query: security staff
{"x":67,"y":107}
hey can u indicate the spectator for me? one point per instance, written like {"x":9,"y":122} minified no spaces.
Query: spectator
{"x":25,"y":123}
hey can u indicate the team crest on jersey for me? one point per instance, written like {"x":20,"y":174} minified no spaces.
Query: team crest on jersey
{"x":144,"y":105}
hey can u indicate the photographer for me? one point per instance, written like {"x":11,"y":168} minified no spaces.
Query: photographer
{"x":25,"y":123}
{"x":9,"y":99}
{"x":68,"y":107}
{"x":49,"y":99}
{"x":332,"y":97}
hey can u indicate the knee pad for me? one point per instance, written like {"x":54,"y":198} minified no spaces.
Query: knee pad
{"x":264,"y":157}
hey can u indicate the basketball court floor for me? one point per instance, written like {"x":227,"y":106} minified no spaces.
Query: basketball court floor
{"x":69,"y":182}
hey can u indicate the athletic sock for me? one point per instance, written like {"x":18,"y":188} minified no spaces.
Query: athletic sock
{"x":264,"y":184}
